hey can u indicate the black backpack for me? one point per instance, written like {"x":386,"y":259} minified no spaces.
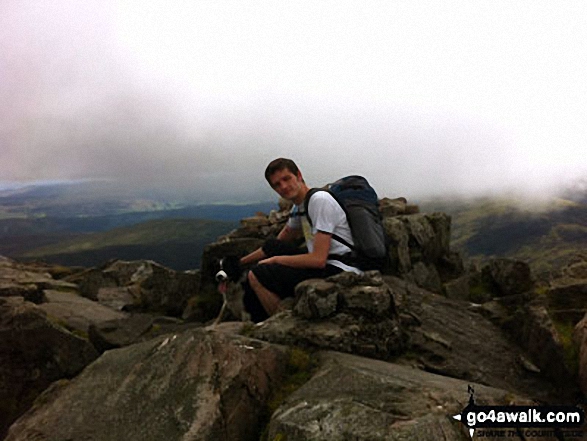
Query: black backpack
{"x":361,"y":206}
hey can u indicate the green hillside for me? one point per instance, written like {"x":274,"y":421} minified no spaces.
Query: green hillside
{"x":546,"y":236}
{"x":176,"y":243}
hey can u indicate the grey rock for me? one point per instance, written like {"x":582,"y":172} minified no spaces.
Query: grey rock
{"x":380,"y":338}
{"x":399,"y":251}
{"x":374,"y":300}
{"x":451,"y":339}
{"x":120,"y":332}
{"x":354,"y":398}
{"x":76,"y":312}
{"x":392,"y":207}
{"x":510,"y":276}
{"x":149,"y":286}
{"x":194,"y":385}
{"x":119,"y":298}
{"x":426,"y":276}
{"x":35,"y":351}
{"x":317,"y":298}
{"x":457,"y":289}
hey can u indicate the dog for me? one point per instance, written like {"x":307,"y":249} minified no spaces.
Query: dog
{"x":230,"y":278}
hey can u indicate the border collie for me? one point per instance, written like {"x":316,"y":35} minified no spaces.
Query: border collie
{"x":230,"y":278}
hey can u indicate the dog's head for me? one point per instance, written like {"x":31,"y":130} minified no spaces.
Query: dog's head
{"x":229,"y":270}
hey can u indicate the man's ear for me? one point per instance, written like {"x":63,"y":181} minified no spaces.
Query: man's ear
{"x":300,"y":177}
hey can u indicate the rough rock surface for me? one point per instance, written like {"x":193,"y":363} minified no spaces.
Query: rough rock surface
{"x":34,"y":352}
{"x":196,"y":385}
{"x":509,"y":276}
{"x":133,"y":329}
{"x":451,"y":338}
{"x":354,"y":398}
{"x":346,"y":312}
{"x":152,"y":287}
{"x":76,"y":312}
{"x":28,"y":281}
{"x":580,"y":338}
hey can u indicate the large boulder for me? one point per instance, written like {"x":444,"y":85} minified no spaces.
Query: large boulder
{"x":143,"y":286}
{"x":34,"y":352}
{"x":453,"y":338}
{"x":354,"y":398}
{"x":346,"y":312}
{"x":28,"y":281}
{"x":567,"y":300}
{"x":75,"y":312}
{"x":509,"y":276}
{"x":195,"y":385}
{"x":420,"y":250}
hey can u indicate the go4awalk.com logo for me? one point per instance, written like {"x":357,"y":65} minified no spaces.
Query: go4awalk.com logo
{"x":520,"y":417}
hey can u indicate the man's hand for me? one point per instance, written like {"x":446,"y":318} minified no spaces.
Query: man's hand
{"x":274,"y":259}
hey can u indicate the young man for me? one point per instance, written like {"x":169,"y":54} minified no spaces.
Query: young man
{"x":281,"y":266}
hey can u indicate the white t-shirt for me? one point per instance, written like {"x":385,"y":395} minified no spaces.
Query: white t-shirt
{"x":328,"y":217}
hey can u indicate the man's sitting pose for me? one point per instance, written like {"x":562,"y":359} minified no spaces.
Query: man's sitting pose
{"x":282,"y":265}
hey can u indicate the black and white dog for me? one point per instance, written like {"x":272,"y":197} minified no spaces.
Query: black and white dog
{"x":230,"y":278}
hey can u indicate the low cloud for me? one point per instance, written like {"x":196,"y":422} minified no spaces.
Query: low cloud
{"x":194,"y":102}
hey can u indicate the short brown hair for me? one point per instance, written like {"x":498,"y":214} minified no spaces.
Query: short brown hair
{"x":280,"y":164}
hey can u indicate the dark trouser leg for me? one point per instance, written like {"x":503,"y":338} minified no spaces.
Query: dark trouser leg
{"x":272,"y":247}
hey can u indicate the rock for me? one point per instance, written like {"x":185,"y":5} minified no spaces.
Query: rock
{"x":255,"y":222}
{"x":119,"y":298}
{"x":399,"y":251}
{"x":34,"y":352}
{"x":419,"y":250}
{"x":510,"y":276}
{"x":372,"y":300}
{"x":380,"y":338}
{"x":136,"y":328}
{"x":580,"y":339}
{"x":531,"y":326}
{"x":317,"y":299}
{"x":30,"y":292}
{"x":567,"y":301}
{"x":451,"y":339}
{"x":75,"y":312}
{"x":392,"y":207}
{"x":149,"y":286}
{"x":192,"y":385}
{"x":120,"y":332}
{"x":425,"y":276}
{"x":457,"y":289}
{"x":347,"y":312}
{"x":355,"y":398}
{"x":28,"y":281}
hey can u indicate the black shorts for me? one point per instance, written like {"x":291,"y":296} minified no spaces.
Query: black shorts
{"x":282,"y":280}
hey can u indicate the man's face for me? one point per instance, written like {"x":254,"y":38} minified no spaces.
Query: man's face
{"x":286,"y":184}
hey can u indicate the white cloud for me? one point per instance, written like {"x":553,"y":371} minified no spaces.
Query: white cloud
{"x":452,"y":97}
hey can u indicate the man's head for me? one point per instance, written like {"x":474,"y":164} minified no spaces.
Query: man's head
{"x":285,"y":178}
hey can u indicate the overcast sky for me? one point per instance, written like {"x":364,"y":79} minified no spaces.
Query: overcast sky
{"x":192,"y":96}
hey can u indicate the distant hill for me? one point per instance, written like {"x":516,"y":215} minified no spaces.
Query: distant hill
{"x":43,"y":215}
{"x":547,"y":237}
{"x":175,"y":243}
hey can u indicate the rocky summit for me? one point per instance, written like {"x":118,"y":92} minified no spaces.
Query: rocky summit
{"x":128,"y":351}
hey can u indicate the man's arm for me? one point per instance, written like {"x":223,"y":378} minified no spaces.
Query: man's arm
{"x":315,"y":259}
{"x":287,"y":234}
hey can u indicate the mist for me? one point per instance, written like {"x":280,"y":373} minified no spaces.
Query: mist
{"x":193,"y":99}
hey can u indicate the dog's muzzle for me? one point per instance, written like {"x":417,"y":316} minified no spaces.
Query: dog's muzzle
{"x":221,"y":276}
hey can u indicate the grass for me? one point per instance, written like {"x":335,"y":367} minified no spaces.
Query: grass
{"x":300,"y":368}
{"x":571,"y":351}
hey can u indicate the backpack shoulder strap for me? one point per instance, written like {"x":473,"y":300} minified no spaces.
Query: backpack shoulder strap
{"x":313,"y":191}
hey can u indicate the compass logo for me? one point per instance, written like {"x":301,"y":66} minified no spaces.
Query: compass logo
{"x":516,"y":417}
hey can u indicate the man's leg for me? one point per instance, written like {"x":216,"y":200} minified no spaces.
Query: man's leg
{"x":268,"y":299}
{"x":273,"y":282}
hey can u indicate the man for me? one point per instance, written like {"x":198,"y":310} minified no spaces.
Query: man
{"x":281,"y":266}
